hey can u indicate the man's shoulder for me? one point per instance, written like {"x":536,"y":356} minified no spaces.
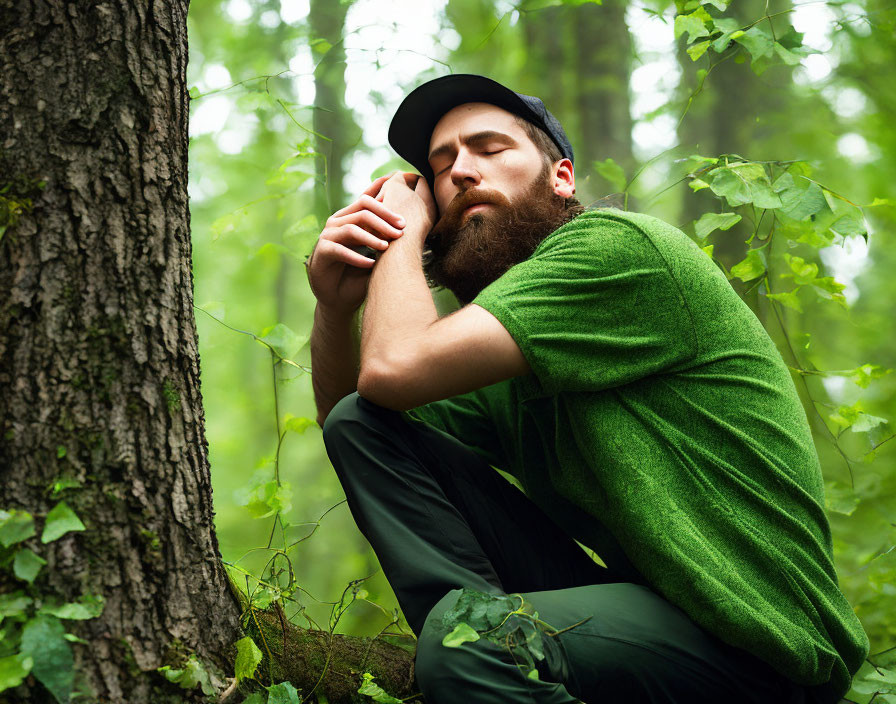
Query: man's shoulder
{"x":604,"y":230}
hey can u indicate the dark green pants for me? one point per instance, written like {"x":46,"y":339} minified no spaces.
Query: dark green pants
{"x":440,"y":519}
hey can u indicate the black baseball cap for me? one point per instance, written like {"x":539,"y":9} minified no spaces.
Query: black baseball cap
{"x":420,"y":111}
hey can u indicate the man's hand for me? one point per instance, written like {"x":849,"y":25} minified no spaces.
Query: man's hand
{"x":408,"y":195}
{"x":337,"y":274}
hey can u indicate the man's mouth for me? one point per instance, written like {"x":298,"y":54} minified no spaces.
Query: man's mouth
{"x":476,"y":207}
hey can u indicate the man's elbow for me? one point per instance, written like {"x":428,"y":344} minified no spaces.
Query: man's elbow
{"x":384,"y":388}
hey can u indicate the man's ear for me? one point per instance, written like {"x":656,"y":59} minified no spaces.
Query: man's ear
{"x":563,"y":179}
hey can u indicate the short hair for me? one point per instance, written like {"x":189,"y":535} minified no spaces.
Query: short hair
{"x":549,"y":151}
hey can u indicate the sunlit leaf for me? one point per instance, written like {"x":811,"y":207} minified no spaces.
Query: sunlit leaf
{"x":15,"y":526}
{"x":709,"y":222}
{"x":248,"y":656}
{"x":751,"y":267}
{"x":60,"y":520}
{"x":462,"y":633}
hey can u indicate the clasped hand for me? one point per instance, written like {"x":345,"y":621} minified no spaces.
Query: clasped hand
{"x":397,"y":205}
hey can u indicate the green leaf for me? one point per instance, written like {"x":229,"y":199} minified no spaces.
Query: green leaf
{"x":284,"y":341}
{"x":320,"y":46}
{"x":697,"y":184}
{"x":855,"y":419}
{"x":193,"y":673}
{"x":718,"y":4}
{"x":708,"y":249}
{"x":789,"y":57}
{"x":709,"y":222}
{"x":88,"y":607}
{"x":27,"y":564}
{"x":43,"y":639}
{"x":255,"y":698}
{"x":461,"y":634}
{"x":866,"y":422}
{"x":283,"y":693}
{"x":800,"y":203}
{"x":60,"y":452}
{"x":827,"y":287}
{"x":268,"y":499}
{"x":757,"y":41}
{"x":60,"y":520}
{"x":803,"y":272}
{"x":297,"y":424}
{"x":752,"y":267}
{"x":62,"y":484}
{"x":612,"y":172}
{"x":247,"y":658}
{"x":840,"y":498}
{"x":13,"y":604}
{"x":862,"y":376}
{"x":15,"y":526}
{"x":14,"y":669}
{"x":695,"y":51}
{"x":788,"y":299}
{"x":694,"y":24}
{"x":374,"y":691}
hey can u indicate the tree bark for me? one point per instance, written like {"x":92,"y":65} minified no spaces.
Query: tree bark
{"x":99,"y":369}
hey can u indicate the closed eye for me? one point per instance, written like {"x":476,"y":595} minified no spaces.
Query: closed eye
{"x":496,"y":151}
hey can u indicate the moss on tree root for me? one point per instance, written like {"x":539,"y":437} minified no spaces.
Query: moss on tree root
{"x":329,"y":664}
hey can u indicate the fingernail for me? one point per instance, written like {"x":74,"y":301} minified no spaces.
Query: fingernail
{"x":400,"y":222}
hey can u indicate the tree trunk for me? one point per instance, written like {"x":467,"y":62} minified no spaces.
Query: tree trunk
{"x":332,"y":119}
{"x":99,"y":370}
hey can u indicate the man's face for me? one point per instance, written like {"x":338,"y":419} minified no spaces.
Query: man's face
{"x":497,"y":198}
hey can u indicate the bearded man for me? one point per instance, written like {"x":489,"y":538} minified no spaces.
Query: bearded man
{"x":603,"y":360}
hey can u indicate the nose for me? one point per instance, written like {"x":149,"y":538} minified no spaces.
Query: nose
{"x":464,"y":173}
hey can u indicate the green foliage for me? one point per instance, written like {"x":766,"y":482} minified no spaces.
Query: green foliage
{"x":374,"y":691}
{"x":191,"y":675}
{"x":27,"y":564}
{"x":248,"y":657}
{"x":15,"y":526}
{"x":725,"y":34}
{"x":34,"y":640}
{"x":264,"y":496}
{"x":506,"y":620}
{"x":613,"y":172}
{"x":60,"y":520}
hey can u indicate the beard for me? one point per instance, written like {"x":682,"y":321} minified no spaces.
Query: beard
{"x":467,"y":253}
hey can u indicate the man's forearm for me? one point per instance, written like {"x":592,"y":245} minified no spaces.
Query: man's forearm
{"x":335,"y":360}
{"x":399,"y":306}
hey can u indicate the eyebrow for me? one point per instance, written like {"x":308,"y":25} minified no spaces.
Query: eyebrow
{"x":471,"y":140}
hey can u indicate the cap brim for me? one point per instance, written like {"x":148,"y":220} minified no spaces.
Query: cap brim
{"x":421,"y":110}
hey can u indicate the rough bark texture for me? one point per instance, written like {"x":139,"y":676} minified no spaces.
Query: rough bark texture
{"x":98,"y":349}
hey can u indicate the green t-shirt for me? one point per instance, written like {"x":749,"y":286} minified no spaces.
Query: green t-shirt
{"x":661,"y":427}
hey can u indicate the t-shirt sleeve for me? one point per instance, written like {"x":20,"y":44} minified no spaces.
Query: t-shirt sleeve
{"x":594,"y":307}
{"x":469,"y":419}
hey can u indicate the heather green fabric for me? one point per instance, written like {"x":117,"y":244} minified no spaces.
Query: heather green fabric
{"x":661,"y":427}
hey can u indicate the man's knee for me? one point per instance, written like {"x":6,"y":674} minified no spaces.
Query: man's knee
{"x":351,"y":412}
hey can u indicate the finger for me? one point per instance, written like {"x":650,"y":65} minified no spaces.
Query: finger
{"x":376,"y":185}
{"x":354,"y":235}
{"x":367,"y":201}
{"x":334,"y":252}
{"x":374,"y":205}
